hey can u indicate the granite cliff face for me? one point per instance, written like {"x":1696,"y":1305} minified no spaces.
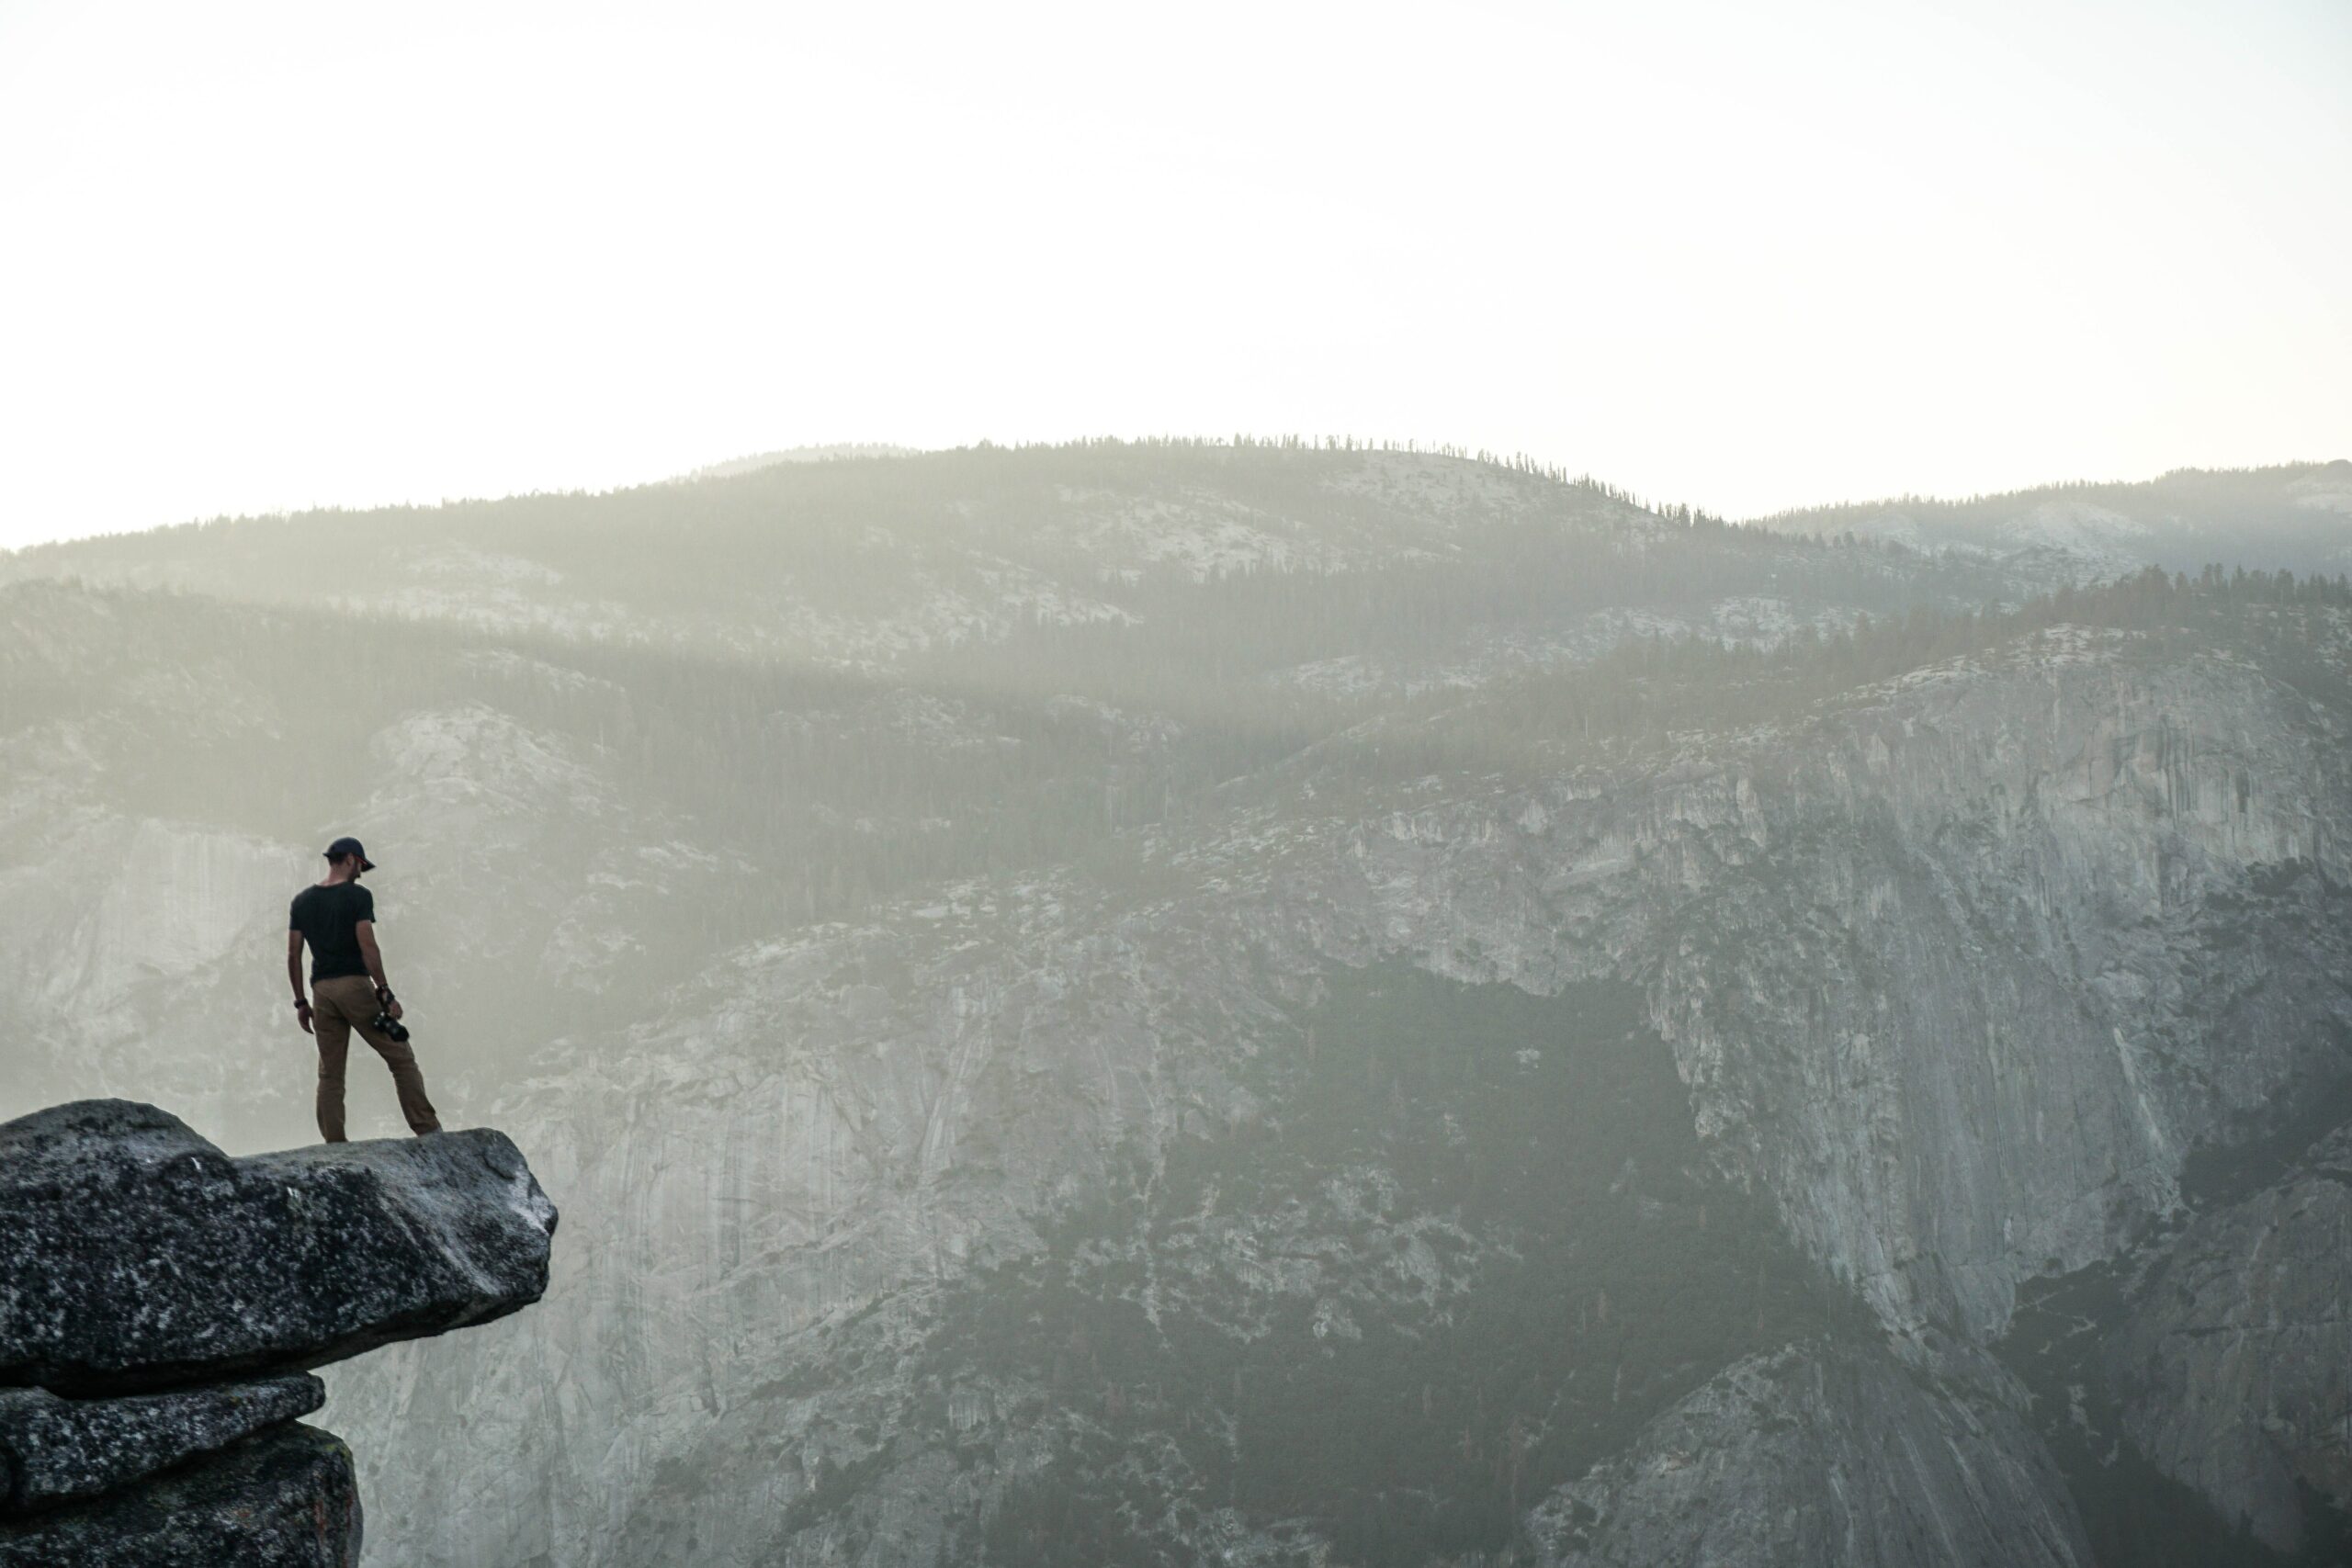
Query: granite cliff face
{"x":1823,"y":1454}
{"x":2234,"y":1366}
{"x":163,"y":1305}
{"x":1954,"y":976}
{"x":1480,"y":1025}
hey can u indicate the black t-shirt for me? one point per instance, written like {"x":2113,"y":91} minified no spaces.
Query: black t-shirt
{"x":329,"y":920}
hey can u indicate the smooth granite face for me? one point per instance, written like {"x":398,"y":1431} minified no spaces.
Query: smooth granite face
{"x":138,"y":1257}
{"x":286,"y":1499}
{"x":55,"y":1451}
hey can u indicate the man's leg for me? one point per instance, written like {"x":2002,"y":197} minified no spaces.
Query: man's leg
{"x":334,"y":1032}
{"x":407,"y":1081}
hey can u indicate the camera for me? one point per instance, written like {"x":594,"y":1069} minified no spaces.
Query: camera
{"x":389,"y":1025}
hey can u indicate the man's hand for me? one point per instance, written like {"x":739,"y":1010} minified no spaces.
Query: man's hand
{"x":302,"y":1014}
{"x":392,"y":1008}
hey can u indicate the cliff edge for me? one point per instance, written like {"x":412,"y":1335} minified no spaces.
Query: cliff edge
{"x":161,"y":1305}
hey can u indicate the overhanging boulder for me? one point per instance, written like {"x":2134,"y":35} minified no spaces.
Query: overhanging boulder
{"x":134,"y":1256}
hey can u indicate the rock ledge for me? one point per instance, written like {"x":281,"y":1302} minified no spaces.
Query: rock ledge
{"x":161,"y":1305}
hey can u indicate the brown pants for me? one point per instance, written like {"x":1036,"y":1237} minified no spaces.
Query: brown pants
{"x":338,"y":1007}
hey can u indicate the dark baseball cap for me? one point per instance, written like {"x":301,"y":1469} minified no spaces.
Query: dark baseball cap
{"x":342,"y":847}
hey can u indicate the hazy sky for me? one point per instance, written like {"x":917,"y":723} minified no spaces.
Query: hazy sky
{"x":1742,"y":254}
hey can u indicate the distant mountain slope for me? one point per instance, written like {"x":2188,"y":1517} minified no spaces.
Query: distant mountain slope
{"x":2294,"y":517}
{"x":1356,"y":567}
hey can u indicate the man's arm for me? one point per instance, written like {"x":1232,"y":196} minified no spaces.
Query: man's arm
{"x":294,"y":974}
{"x":367,"y":950}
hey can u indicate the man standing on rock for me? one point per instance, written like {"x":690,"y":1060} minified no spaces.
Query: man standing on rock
{"x":338,"y":917}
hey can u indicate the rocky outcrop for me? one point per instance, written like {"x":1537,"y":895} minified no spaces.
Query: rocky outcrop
{"x":161,"y":1304}
{"x":144,"y":1257}
{"x":284,"y":1499}
{"x":2231,"y":1368}
{"x":56,"y":1450}
{"x":1816,"y":1454}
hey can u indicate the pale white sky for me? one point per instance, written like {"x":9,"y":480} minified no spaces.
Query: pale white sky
{"x":1742,"y":254}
